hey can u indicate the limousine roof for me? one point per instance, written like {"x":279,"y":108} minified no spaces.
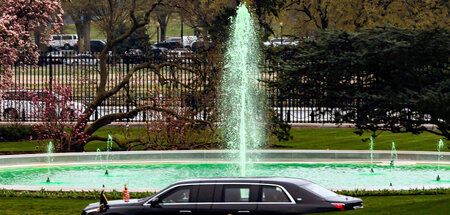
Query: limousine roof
{"x":272,"y":180}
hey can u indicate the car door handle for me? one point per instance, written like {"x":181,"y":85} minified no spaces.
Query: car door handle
{"x":244,"y":212}
{"x":185,"y":212}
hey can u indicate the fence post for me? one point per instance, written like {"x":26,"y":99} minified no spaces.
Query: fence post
{"x":127,"y":88}
{"x":50,"y":62}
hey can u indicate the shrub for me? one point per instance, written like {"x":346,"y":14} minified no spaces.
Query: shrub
{"x":17,"y":133}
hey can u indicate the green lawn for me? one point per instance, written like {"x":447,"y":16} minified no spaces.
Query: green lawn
{"x":42,"y":206}
{"x":418,"y":204}
{"x":344,"y":138}
{"x":173,"y":29}
{"x":425,"y":204}
{"x":303,"y":138}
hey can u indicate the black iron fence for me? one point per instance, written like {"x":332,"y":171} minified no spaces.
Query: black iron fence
{"x":80,"y":73}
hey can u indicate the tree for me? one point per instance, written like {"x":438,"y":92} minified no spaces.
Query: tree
{"x":163,"y":14}
{"x":201,"y":83}
{"x":19,"y":18}
{"x":351,"y":15}
{"x":379,"y":79}
{"x":80,"y":11}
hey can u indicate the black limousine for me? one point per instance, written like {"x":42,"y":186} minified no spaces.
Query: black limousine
{"x":232,"y":196}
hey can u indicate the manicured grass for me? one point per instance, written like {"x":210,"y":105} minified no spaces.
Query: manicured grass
{"x":418,"y":204}
{"x":345,"y":138}
{"x":426,"y":204}
{"x":303,"y":138}
{"x":42,"y":206}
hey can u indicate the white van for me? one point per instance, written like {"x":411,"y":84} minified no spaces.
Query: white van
{"x":66,"y":41}
{"x":188,"y":41}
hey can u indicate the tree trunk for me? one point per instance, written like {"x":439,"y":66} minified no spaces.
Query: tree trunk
{"x":84,"y":33}
{"x":163,"y":31}
{"x":87,"y":36}
{"x":38,"y":38}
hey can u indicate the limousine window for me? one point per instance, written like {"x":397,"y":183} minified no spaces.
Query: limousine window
{"x":236,"y":193}
{"x":178,"y":195}
{"x":319,"y":190}
{"x":205,"y":193}
{"x":273,"y":194}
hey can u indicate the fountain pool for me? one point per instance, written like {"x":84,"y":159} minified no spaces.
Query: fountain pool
{"x":157,"y":169}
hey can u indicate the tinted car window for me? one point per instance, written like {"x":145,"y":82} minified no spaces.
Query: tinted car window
{"x":178,"y":195}
{"x":320,"y":191}
{"x":205,"y":193}
{"x":56,"y":37}
{"x":236,"y":193}
{"x":66,"y":37}
{"x":273,"y":194}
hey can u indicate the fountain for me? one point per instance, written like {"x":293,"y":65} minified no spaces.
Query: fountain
{"x":439,"y":148}
{"x":49,"y":159}
{"x":108,"y":153}
{"x":98,"y":157}
{"x":393,"y":154}
{"x":242,"y":120}
{"x":371,"y":154}
{"x":242,"y":100}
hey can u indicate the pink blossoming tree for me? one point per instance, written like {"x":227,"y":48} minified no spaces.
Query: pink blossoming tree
{"x":17,"y":19}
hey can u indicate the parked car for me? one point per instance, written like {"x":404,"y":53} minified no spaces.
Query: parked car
{"x":188,"y":41}
{"x":96,"y":45}
{"x":81,"y":59}
{"x":66,"y":41}
{"x":280,"y":41}
{"x":25,"y":104}
{"x":199,"y":45}
{"x":57,"y":57}
{"x":233,"y":196}
{"x":134,"y":56}
{"x":169,"y":44}
{"x":182,"y":55}
{"x":173,"y":39}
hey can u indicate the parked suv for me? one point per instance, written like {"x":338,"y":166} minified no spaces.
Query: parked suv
{"x":66,"y":41}
{"x":25,"y":104}
{"x":96,"y":45}
{"x":233,"y":196}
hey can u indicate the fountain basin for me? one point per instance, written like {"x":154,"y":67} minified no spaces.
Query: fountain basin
{"x":153,"y":170}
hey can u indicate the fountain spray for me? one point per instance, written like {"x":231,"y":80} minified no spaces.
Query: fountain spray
{"x":371,"y":154}
{"x":439,"y":148}
{"x":242,"y":100}
{"x":98,"y":157}
{"x":49,"y":159}
{"x":108,"y":151}
{"x":393,"y":154}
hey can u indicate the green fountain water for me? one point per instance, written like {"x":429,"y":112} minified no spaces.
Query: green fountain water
{"x":242,"y":101}
{"x":393,"y":154}
{"x":49,"y":159}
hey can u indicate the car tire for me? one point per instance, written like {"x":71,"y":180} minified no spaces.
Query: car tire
{"x":11,"y":114}
{"x":66,"y":46}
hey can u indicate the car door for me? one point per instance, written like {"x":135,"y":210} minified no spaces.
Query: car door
{"x":205,"y":199}
{"x":275,"y":199}
{"x":178,"y":200}
{"x":233,"y":199}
